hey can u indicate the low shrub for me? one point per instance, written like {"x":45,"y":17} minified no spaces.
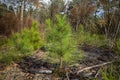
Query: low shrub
{"x":28,"y":40}
{"x":7,"y":57}
{"x":91,"y":39}
{"x":21,"y":45}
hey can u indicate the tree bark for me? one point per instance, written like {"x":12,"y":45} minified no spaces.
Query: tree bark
{"x":61,"y":65}
{"x":21,"y":15}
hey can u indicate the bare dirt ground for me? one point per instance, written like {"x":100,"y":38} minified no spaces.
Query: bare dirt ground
{"x":34,"y":68}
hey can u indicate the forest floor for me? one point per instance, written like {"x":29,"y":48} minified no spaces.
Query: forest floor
{"x":35,"y":68}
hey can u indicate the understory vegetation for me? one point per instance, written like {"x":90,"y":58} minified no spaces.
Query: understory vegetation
{"x":21,"y":44}
{"x":93,"y":39}
{"x":64,"y":32}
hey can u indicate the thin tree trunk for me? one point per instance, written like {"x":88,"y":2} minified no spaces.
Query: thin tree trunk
{"x":21,"y":15}
{"x":61,"y":65}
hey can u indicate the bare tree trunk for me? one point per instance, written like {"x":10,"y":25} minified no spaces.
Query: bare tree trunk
{"x":77,"y":24}
{"x":21,"y":15}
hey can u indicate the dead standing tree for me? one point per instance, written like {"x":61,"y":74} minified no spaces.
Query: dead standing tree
{"x":80,"y":13}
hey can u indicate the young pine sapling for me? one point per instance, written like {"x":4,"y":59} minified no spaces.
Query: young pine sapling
{"x":59,"y":39}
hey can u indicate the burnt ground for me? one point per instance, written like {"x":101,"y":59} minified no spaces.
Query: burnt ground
{"x":35,"y":68}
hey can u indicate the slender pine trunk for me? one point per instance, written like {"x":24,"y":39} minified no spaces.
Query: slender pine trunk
{"x":21,"y":15}
{"x":61,"y":64}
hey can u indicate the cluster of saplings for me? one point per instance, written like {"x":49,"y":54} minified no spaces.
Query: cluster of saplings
{"x":59,"y":41}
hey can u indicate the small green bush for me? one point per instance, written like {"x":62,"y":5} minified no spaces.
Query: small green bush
{"x":95,"y":40}
{"x":9,"y":55}
{"x":28,"y":40}
{"x":91,"y":39}
{"x":21,"y":45}
{"x":79,"y":35}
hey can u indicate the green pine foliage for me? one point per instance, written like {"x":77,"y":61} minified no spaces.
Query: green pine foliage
{"x":59,"y":39}
{"x":91,"y":39}
{"x":28,"y":40}
{"x":21,"y":45}
{"x":8,"y":56}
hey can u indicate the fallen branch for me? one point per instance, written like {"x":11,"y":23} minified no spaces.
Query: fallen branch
{"x":87,"y":68}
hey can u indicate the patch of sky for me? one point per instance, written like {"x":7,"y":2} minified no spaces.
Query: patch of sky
{"x":100,"y":13}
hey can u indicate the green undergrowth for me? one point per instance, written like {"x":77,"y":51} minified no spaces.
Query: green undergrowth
{"x":28,"y":40}
{"x":89,"y":38}
{"x":8,"y":55}
{"x":111,"y":72}
{"x":21,"y":45}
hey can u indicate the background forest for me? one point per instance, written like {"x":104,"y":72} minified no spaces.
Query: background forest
{"x":63,"y":32}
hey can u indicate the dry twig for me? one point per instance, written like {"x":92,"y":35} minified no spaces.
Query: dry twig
{"x":94,"y":66}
